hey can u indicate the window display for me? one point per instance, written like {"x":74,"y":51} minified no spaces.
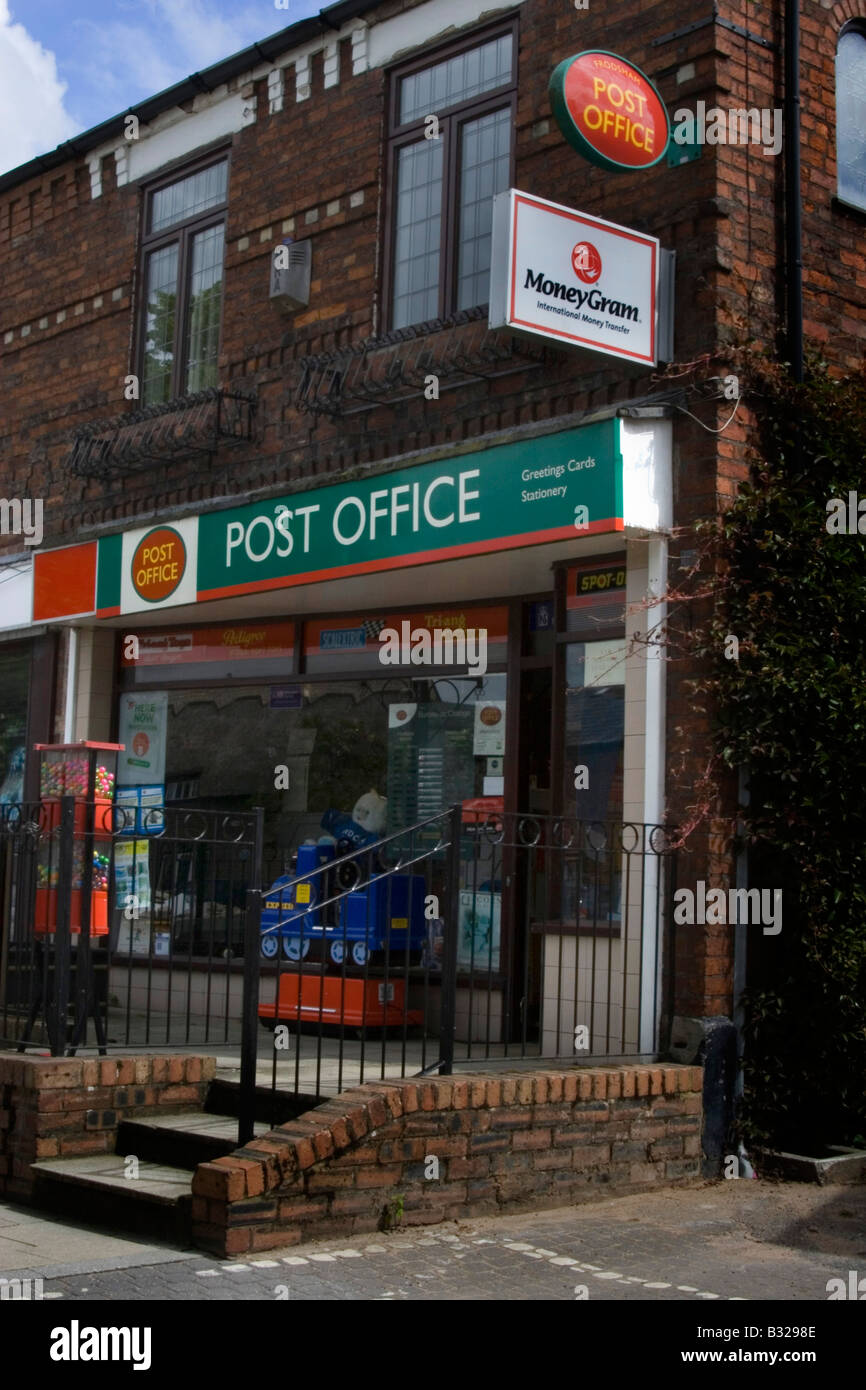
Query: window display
{"x":14,"y":686}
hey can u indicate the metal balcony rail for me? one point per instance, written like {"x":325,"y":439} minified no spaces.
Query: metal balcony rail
{"x":398,"y":365}
{"x":189,"y":427}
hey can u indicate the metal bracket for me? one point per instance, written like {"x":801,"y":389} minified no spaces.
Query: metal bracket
{"x":723,"y":24}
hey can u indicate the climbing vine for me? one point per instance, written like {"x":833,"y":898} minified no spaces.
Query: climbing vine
{"x":791,"y":710}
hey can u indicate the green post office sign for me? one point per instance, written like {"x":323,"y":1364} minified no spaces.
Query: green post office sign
{"x":557,"y":487}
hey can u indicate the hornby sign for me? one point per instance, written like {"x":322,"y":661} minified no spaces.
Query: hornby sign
{"x":609,"y":111}
{"x":560,"y":274}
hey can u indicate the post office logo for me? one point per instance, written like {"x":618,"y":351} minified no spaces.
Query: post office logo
{"x":158,"y":564}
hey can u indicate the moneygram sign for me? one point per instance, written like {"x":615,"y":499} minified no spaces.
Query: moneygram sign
{"x":609,"y":111}
{"x":560,"y":274}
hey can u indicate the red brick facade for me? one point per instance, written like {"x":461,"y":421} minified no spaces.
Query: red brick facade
{"x":361,"y":1161}
{"x":69,"y":293}
{"x":65,"y":1107}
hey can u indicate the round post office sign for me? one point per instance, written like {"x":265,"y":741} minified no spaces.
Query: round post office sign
{"x":158,"y":564}
{"x":609,"y":111}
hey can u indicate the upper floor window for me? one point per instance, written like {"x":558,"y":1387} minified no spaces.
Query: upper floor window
{"x":182,"y":275}
{"x":451,"y":130}
{"x":851,"y":116}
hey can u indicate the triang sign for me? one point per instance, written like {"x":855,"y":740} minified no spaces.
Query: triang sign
{"x":556,"y":487}
{"x":564,"y":275}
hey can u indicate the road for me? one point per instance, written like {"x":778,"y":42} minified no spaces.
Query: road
{"x":720,"y":1241}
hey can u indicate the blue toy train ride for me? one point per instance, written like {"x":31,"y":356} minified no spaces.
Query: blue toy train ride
{"x":323,"y":912}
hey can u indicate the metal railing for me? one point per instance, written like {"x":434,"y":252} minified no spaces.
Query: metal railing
{"x":468,"y":939}
{"x":123,"y":923}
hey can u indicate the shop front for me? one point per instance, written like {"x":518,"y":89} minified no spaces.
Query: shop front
{"x":27,"y":674}
{"x":359,"y":658}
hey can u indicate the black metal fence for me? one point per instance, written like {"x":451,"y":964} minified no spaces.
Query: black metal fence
{"x":467,"y":939}
{"x":121,"y":927}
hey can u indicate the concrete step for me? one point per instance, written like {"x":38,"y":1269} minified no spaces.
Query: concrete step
{"x":101,"y":1190}
{"x":276,"y":1107}
{"x":182,"y":1141}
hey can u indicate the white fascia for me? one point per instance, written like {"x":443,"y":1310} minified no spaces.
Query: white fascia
{"x":176,"y":134}
{"x":16,"y":594}
{"x":647,"y":468}
{"x":421,"y":26}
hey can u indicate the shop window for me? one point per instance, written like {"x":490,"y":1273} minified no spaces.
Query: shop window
{"x":230,"y":651}
{"x":851,"y":115}
{"x":594,"y":677}
{"x":14,"y":686}
{"x":460,"y":637}
{"x":451,"y":149}
{"x":182,"y":274}
{"x":594,"y":729}
{"x":595,"y":598}
{"x":386,"y":754}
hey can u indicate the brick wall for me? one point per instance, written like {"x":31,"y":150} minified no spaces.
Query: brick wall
{"x":316,"y":168}
{"x":521,"y":1139}
{"x":67,"y":1106}
{"x":65,"y":322}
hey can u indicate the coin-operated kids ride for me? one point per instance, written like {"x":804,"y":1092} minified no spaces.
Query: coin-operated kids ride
{"x":327,"y":912}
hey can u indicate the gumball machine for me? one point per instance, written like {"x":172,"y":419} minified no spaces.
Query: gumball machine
{"x":87,"y":772}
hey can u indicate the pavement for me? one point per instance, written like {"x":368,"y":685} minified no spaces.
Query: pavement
{"x":737,"y":1240}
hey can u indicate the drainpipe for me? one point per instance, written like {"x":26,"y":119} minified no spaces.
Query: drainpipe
{"x":793,"y":205}
{"x":741,"y":948}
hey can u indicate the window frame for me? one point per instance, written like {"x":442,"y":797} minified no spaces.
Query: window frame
{"x":397,"y":136}
{"x":853,"y":26}
{"x":183,"y":233}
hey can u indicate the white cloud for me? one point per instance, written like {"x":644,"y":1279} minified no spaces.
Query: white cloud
{"x":33,"y":116}
{"x":159,"y":42}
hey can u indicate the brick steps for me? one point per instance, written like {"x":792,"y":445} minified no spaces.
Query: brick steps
{"x":183,"y":1141}
{"x":158,"y":1200}
{"x":98,"y":1189}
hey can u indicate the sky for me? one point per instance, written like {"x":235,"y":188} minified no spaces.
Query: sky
{"x":67,"y":65}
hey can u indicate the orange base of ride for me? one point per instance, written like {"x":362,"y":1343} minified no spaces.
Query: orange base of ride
{"x":45,"y":916}
{"x":332,"y":999}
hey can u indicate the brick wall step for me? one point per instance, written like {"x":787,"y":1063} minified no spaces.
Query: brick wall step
{"x":181,"y":1141}
{"x":108,"y":1191}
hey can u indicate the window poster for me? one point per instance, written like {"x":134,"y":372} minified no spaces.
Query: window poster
{"x":430,"y":760}
{"x":142,"y":731}
{"x":489,"y":732}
